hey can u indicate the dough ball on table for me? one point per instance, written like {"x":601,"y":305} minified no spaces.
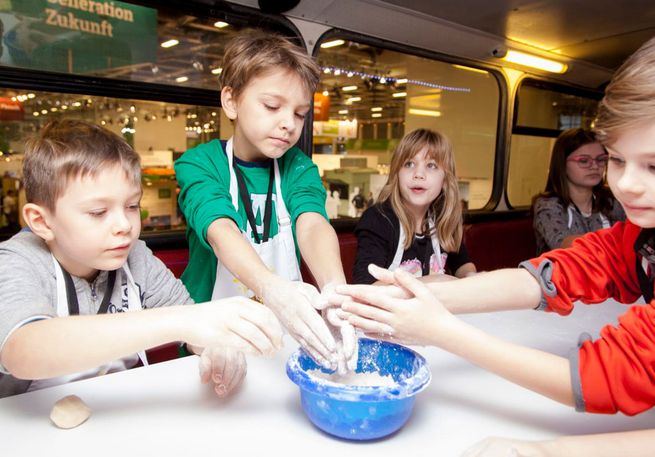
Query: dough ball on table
{"x":69,"y":412}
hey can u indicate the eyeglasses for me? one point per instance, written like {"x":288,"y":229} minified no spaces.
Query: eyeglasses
{"x":585,"y":161}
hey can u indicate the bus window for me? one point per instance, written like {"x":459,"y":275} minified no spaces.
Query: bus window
{"x":370,"y":96}
{"x":541,"y":112}
{"x":159,"y":91}
{"x":158,"y":131}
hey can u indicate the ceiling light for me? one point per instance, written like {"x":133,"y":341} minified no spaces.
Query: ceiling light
{"x":424,"y":112}
{"x":376,"y":115}
{"x":399,"y":94}
{"x":530,"y":60}
{"x":220,"y":24}
{"x":217,"y":71}
{"x":343,"y":111}
{"x":353,"y":99}
{"x":348,"y":88}
{"x":401,"y":81}
{"x":170,"y":43}
{"x":181,"y":79}
{"x":376,"y":109}
{"x":332,"y":44}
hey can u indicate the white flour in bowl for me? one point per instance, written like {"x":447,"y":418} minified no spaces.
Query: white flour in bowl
{"x":354,"y":379}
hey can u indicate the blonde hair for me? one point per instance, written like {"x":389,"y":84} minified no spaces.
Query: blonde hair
{"x":69,"y":149}
{"x":255,"y":52}
{"x":446,"y":209}
{"x":629,"y":97}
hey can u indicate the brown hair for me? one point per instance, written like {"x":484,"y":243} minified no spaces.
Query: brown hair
{"x":254,"y":52}
{"x":628,"y":100}
{"x":557,"y":185}
{"x":68,"y":149}
{"x":446,"y":208}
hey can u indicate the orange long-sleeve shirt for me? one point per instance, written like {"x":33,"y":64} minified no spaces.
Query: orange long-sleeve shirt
{"x":617,"y":371}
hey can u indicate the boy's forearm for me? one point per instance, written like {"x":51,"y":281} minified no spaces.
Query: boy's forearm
{"x":238,"y":256}
{"x":626,"y":444}
{"x":536,"y":370}
{"x":499,"y":290}
{"x":319,"y":247}
{"x":64,"y":345}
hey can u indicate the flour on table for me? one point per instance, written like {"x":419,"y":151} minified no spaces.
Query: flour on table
{"x":354,"y":379}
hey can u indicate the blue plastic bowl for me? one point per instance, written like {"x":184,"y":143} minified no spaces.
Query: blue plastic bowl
{"x":362,"y":412}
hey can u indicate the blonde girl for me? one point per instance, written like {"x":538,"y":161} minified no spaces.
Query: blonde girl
{"x":416,"y":224}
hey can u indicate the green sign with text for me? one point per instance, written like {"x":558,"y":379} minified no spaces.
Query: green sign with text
{"x":76,"y":36}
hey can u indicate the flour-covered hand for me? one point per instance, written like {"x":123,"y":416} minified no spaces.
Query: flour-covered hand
{"x":343,"y":331}
{"x":293,"y":304}
{"x":225,"y":368}
{"x":235,"y":322}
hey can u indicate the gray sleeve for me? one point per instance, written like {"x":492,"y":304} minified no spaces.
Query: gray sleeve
{"x":576,"y":383}
{"x":159,"y":286}
{"x":27,"y":288}
{"x":543,"y":273}
{"x":551,"y":222}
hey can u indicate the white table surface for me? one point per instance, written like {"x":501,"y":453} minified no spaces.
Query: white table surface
{"x":163,"y":410}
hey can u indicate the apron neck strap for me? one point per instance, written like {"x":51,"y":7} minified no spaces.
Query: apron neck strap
{"x":247,"y":204}
{"x":71,"y":293}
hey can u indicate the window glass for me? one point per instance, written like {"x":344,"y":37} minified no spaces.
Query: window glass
{"x":369,"y":97}
{"x":542,"y":112}
{"x":158,"y":131}
{"x":115,"y":40}
{"x":170,"y":54}
{"x":544,"y":108}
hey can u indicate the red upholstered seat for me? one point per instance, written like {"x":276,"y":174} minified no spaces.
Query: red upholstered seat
{"x":175,"y":259}
{"x":500,"y":244}
{"x":348,"y":250}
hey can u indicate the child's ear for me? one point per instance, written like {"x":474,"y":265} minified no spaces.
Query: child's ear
{"x":229,"y":102}
{"x":37,"y":218}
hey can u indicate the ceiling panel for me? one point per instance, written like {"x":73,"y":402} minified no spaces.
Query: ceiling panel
{"x":602,"y":32}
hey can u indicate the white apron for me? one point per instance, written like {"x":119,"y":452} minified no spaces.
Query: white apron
{"x":398,"y":257}
{"x":130,"y":293}
{"x":278,"y":253}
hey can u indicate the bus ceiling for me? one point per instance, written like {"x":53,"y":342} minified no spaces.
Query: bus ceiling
{"x":590,"y":37}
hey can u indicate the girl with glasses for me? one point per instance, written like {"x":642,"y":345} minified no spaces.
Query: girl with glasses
{"x":576,"y":200}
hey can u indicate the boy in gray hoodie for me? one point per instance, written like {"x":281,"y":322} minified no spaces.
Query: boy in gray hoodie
{"x":71,"y":285}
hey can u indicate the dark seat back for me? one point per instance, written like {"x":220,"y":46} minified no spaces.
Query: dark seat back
{"x":500,"y":244}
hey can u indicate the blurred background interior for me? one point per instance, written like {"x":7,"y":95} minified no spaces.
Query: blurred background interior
{"x":150,"y":73}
